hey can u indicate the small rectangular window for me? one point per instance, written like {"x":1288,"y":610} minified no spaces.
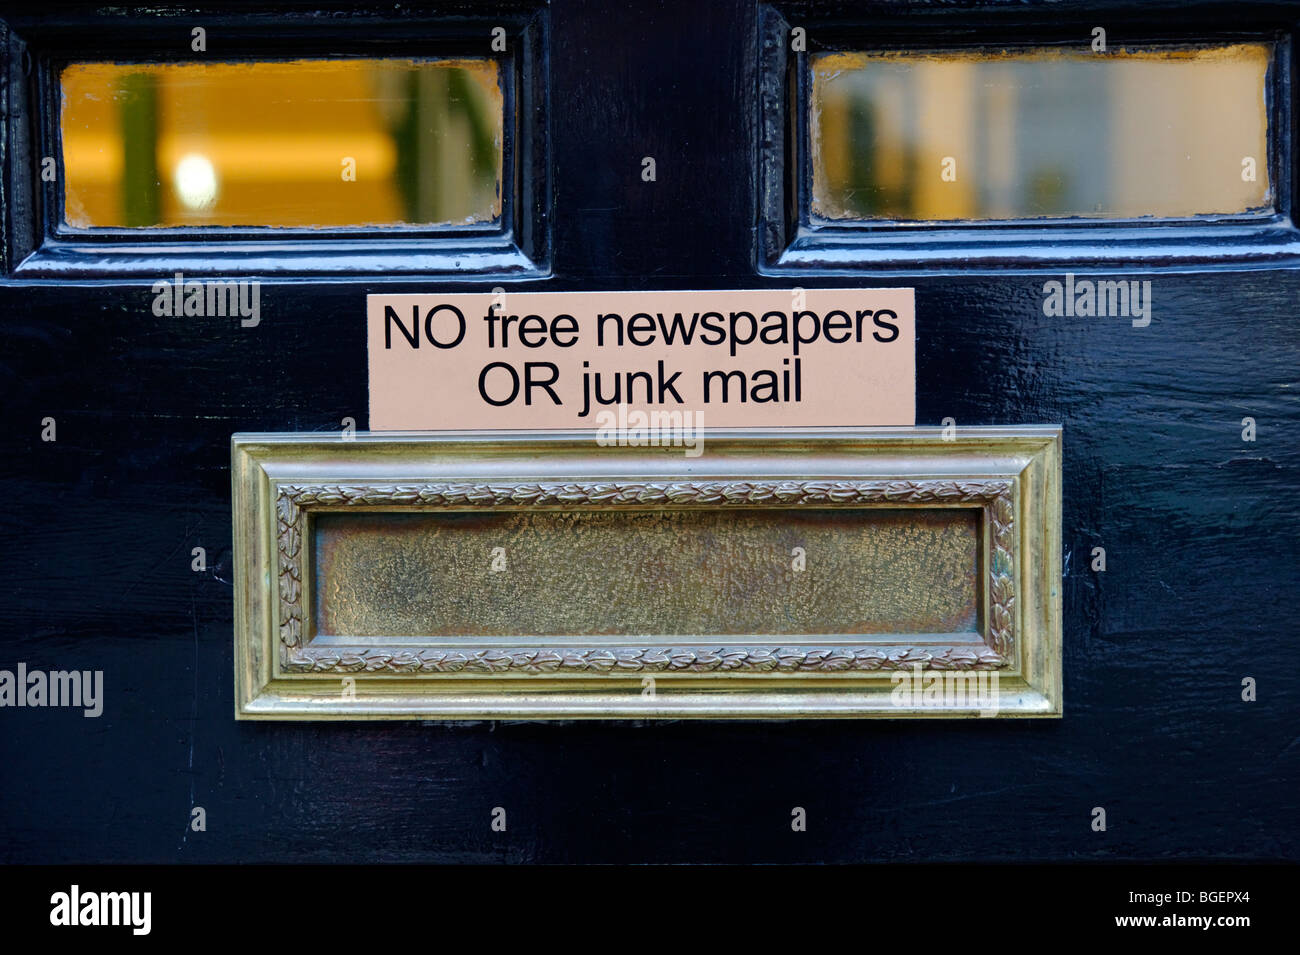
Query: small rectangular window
{"x":309,"y":143}
{"x":998,"y":134}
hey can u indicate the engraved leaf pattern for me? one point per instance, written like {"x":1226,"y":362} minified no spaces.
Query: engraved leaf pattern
{"x":995,"y":494}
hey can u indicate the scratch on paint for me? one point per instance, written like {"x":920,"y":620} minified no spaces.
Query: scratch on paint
{"x":194,"y":721}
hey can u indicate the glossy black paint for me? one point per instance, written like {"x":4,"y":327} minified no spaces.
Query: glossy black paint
{"x":1200,"y":531}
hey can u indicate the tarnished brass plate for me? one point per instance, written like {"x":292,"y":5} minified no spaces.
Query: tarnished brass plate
{"x":887,"y":572}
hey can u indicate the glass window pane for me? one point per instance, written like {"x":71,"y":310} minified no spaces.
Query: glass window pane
{"x":303,"y":143}
{"x":985,"y":134}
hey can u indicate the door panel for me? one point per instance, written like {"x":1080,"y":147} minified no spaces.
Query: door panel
{"x":1198,"y":526}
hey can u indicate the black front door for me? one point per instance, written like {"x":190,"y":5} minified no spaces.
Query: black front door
{"x":665,"y":145}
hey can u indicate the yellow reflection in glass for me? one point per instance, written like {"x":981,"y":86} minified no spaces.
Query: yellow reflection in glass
{"x":306,"y":143}
{"x":1004,"y":135}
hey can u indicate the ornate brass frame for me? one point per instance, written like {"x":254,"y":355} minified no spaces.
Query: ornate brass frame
{"x":1010,"y":475}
